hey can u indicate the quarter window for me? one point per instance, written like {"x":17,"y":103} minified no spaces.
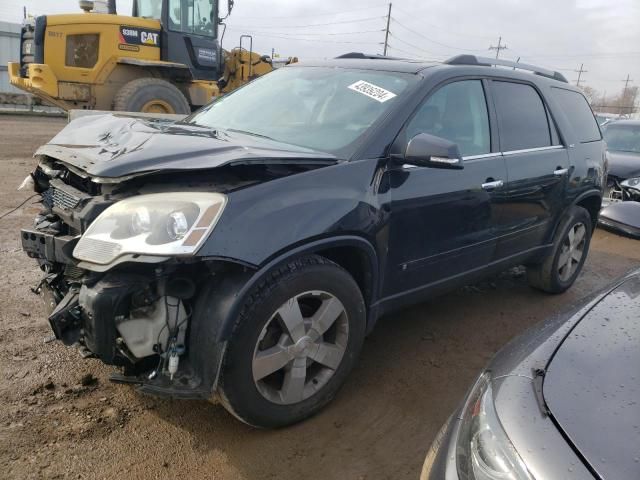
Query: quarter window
{"x":457,"y":112}
{"x":522,"y":117}
{"x":578,"y":112}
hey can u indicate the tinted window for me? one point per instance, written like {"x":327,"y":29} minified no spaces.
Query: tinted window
{"x":457,"y":112}
{"x":522,"y":117}
{"x":579,"y":114}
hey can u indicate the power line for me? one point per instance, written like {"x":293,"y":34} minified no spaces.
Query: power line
{"x":430,"y":39}
{"x":271,"y":35}
{"x":413,"y":55}
{"x":498,"y":48}
{"x":439,"y":27}
{"x":583,"y":55}
{"x":380,"y":5}
{"x":359,"y":20}
{"x":313,"y":34}
{"x":411,"y":44}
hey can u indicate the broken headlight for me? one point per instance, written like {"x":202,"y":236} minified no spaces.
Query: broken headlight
{"x":156,"y":224}
{"x":484,"y":452}
{"x":632,"y":183}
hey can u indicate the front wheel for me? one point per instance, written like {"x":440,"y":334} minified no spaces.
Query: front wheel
{"x":151,"y":95}
{"x":297,"y":337}
{"x":561,"y":267}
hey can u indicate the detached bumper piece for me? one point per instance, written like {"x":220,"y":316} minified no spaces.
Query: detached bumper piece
{"x":622,"y":217}
{"x":47,"y":246}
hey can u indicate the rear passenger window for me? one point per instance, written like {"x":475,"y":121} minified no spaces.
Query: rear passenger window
{"x":457,"y":112}
{"x":579,"y":114}
{"x":522,"y":116}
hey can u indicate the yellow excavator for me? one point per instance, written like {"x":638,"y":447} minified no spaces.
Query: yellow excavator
{"x":164,"y":58}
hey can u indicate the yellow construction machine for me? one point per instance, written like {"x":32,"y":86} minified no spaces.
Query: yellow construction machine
{"x":164,"y":58}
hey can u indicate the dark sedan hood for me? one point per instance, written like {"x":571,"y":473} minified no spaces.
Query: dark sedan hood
{"x":592,"y":385}
{"x":624,"y":164}
{"x":117,"y":146}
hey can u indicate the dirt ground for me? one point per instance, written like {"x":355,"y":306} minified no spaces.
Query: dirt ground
{"x":61,"y":418}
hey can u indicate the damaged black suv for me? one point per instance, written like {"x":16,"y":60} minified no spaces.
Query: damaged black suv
{"x":243,"y":253}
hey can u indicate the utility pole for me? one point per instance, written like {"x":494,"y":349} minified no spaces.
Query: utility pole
{"x":499,"y":47}
{"x":580,"y":72}
{"x":624,"y":95}
{"x":386,"y":34}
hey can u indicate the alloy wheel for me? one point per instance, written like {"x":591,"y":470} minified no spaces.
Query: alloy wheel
{"x":300,"y":347}
{"x":572,"y":251}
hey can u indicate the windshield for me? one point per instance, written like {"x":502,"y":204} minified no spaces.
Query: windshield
{"x":321,"y":108}
{"x":623,"y":138}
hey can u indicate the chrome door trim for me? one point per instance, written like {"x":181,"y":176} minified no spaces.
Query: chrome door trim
{"x":482,"y":155}
{"x":537,"y":149}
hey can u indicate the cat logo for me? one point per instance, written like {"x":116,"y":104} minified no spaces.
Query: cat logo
{"x":139,"y":36}
{"x":149,"y":38}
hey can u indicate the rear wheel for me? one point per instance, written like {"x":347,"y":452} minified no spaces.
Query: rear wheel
{"x":561,"y":267}
{"x":297,"y":337}
{"x":151,"y":95}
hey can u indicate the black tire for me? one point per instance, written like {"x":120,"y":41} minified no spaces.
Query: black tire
{"x":139,"y":94}
{"x":546,"y":275}
{"x":237,"y":389}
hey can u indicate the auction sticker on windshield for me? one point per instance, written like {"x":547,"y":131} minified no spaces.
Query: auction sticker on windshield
{"x":372,"y":91}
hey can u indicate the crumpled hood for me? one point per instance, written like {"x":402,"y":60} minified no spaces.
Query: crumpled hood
{"x":116,"y":146}
{"x":624,"y":164}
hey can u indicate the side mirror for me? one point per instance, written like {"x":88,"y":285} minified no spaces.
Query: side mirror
{"x":426,"y":150}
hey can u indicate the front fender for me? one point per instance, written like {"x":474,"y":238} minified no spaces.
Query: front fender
{"x":264,"y":220}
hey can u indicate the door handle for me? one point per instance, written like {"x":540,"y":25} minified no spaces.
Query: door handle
{"x":560,"y":171}
{"x":492,"y":184}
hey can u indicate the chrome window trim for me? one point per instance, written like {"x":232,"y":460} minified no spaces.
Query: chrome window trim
{"x":499,"y":154}
{"x":482,"y":155}
{"x":536,"y":149}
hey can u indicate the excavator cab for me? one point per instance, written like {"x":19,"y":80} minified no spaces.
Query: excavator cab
{"x":189,"y":33}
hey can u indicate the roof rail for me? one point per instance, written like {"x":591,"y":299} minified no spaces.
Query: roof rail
{"x":367,"y":56}
{"x":490,"y":62}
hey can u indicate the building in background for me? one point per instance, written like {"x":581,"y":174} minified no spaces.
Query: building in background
{"x":9,"y":52}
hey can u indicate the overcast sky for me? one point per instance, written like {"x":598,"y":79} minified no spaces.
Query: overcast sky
{"x":559,"y":34}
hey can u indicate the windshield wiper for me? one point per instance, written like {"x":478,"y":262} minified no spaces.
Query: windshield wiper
{"x":253,"y":134}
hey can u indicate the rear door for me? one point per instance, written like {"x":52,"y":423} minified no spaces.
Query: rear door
{"x":537,"y":168}
{"x":442,"y":222}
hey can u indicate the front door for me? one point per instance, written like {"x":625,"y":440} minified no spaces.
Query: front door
{"x":537,"y":169}
{"x":442,"y":222}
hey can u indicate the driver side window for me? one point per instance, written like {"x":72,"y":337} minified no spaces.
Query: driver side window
{"x":192,"y":16}
{"x":457,"y":112}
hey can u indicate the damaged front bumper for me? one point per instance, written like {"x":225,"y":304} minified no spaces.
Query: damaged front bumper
{"x":143,"y":315}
